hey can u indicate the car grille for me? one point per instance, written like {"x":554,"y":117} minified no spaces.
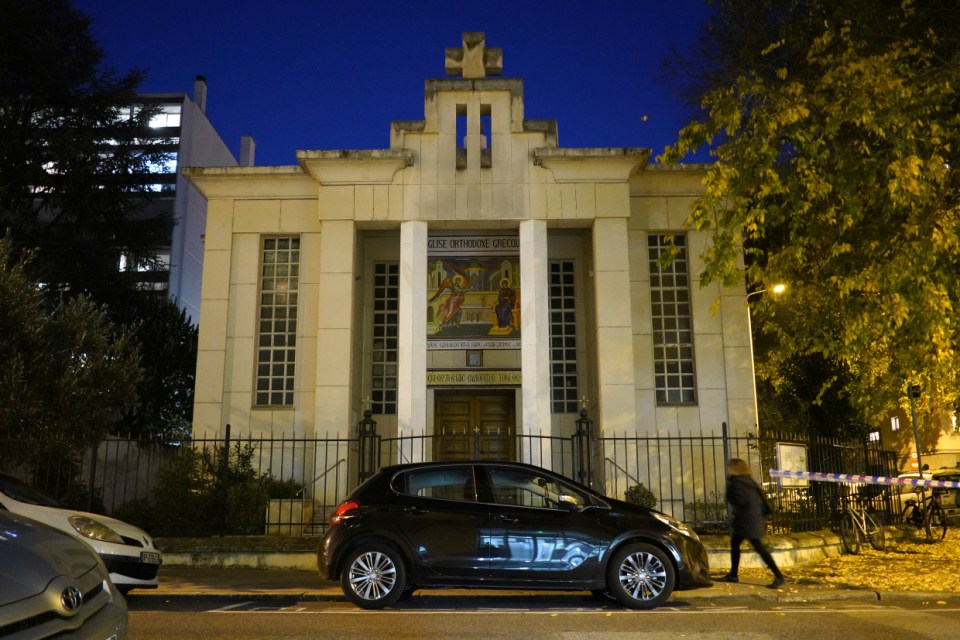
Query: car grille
{"x":26,"y":623}
{"x":133,"y":542}
{"x":47,"y":616}
{"x":131,"y":567}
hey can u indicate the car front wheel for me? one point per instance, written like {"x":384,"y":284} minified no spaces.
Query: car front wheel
{"x":373,"y":576}
{"x":640,"y":576}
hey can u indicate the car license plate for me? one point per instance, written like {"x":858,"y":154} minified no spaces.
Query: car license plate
{"x":149,"y":557}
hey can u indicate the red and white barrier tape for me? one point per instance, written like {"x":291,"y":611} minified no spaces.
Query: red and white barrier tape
{"x":852,"y":478}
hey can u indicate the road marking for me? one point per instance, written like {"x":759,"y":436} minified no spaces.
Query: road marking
{"x":230,"y":607}
{"x":839,"y":608}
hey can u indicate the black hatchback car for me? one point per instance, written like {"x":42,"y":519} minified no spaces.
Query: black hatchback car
{"x":502,"y":525}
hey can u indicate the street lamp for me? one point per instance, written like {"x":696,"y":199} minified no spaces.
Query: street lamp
{"x":913,"y":392}
{"x":776,"y":289}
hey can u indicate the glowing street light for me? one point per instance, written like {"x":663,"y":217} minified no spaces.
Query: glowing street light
{"x":776,"y":289}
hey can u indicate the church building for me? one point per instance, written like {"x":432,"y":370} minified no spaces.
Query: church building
{"x":473,"y":278}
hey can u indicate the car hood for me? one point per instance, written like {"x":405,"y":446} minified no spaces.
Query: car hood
{"x":31,"y":554}
{"x":59,"y":518}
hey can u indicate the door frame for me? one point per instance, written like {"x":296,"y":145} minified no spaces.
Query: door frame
{"x":501,"y":446}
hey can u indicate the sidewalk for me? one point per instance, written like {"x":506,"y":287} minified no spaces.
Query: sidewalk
{"x":189,"y":582}
{"x":815,"y":567}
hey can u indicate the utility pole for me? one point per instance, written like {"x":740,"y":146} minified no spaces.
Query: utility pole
{"x":913,"y":392}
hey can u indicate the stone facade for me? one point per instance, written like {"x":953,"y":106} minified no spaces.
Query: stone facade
{"x":493,"y":240}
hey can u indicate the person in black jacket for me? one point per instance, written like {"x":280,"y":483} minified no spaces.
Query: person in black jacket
{"x":747,"y":506}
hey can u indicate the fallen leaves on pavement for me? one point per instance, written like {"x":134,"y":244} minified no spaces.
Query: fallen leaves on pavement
{"x":906,"y":564}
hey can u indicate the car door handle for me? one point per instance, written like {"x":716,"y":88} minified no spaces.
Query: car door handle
{"x":416,"y":511}
{"x":508,"y":519}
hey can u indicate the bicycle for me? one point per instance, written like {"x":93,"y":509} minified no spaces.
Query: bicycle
{"x":927,"y":514}
{"x":856,"y":522}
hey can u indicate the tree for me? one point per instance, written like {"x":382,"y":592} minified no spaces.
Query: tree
{"x":66,"y":371}
{"x":167,"y":342}
{"x":74,"y":150}
{"x":836,"y":133}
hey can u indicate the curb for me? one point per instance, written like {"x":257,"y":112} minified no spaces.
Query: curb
{"x":286,"y":586}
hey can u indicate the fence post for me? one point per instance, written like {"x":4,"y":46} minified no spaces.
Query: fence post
{"x":93,"y":476}
{"x":583,"y":442}
{"x":726,"y":443}
{"x":223,"y":468}
{"x":367,"y":432}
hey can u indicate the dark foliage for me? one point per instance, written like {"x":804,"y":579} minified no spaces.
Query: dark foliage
{"x":73,"y":151}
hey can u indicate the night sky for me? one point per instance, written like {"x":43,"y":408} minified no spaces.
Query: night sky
{"x":327,"y":74}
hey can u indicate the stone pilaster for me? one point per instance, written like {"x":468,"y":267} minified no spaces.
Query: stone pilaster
{"x":412,"y":357}
{"x":617,"y":402}
{"x":535,"y":332}
{"x":335,"y":326}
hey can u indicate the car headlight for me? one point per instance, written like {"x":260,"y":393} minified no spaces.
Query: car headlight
{"x":676,"y":524}
{"x":90,"y":528}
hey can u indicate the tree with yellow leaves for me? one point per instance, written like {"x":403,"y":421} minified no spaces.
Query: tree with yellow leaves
{"x":835,"y":126}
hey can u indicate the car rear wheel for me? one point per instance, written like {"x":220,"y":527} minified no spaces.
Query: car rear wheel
{"x":373,"y":576}
{"x":640,"y":576}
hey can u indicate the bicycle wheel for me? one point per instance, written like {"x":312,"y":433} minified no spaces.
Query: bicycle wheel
{"x":849,"y":534}
{"x":874,"y":532}
{"x":935,"y":523}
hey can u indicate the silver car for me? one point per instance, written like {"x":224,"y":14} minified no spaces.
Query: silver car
{"x":53,"y":585}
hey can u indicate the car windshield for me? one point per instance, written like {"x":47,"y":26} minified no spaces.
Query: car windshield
{"x":22,"y":492}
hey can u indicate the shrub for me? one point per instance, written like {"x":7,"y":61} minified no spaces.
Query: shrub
{"x":202,"y":492}
{"x":283,"y":489}
{"x":709,"y":515}
{"x":640,"y":495}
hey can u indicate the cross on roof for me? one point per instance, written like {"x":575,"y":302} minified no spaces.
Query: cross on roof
{"x":473,"y":60}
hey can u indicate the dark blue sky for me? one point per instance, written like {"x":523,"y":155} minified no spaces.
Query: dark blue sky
{"x":322,"y":74}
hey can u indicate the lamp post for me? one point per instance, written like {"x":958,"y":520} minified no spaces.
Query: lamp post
{"x":913,"y":392}
{"x":776,"y":289}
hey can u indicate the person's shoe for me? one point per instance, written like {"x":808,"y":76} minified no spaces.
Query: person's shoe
{"x":730,"y":578}
{"x":777,"y":582}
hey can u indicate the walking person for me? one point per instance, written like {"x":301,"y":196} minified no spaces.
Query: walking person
{"x":748,"y":507}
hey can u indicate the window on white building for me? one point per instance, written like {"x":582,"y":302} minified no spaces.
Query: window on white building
{"x":672,"y":321}
{"x":166,"y":163}
{"x":386,"y":324}
{"x":168,"y":116}
{"x":277,"y":334}
{"x":563,"y":338}
{"x":159,"y":261}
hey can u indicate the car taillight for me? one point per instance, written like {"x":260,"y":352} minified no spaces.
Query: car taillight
{"x":344,"y":511}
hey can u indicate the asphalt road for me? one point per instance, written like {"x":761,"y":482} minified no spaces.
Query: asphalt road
{"x":561,"y":617}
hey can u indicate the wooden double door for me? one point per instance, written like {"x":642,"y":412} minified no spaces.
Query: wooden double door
{"x":474,"y":425}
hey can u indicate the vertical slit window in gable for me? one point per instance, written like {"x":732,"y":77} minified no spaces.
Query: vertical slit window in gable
{"x":461,"y":136}
{"x":486,"y":137}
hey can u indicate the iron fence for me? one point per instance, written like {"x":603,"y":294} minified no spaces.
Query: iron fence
{"x":289,"y":485}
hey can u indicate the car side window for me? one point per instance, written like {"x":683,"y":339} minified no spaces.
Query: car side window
{"x":444,"y":483}
{"x":951,"y":497}
{"x":524,"y":488}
